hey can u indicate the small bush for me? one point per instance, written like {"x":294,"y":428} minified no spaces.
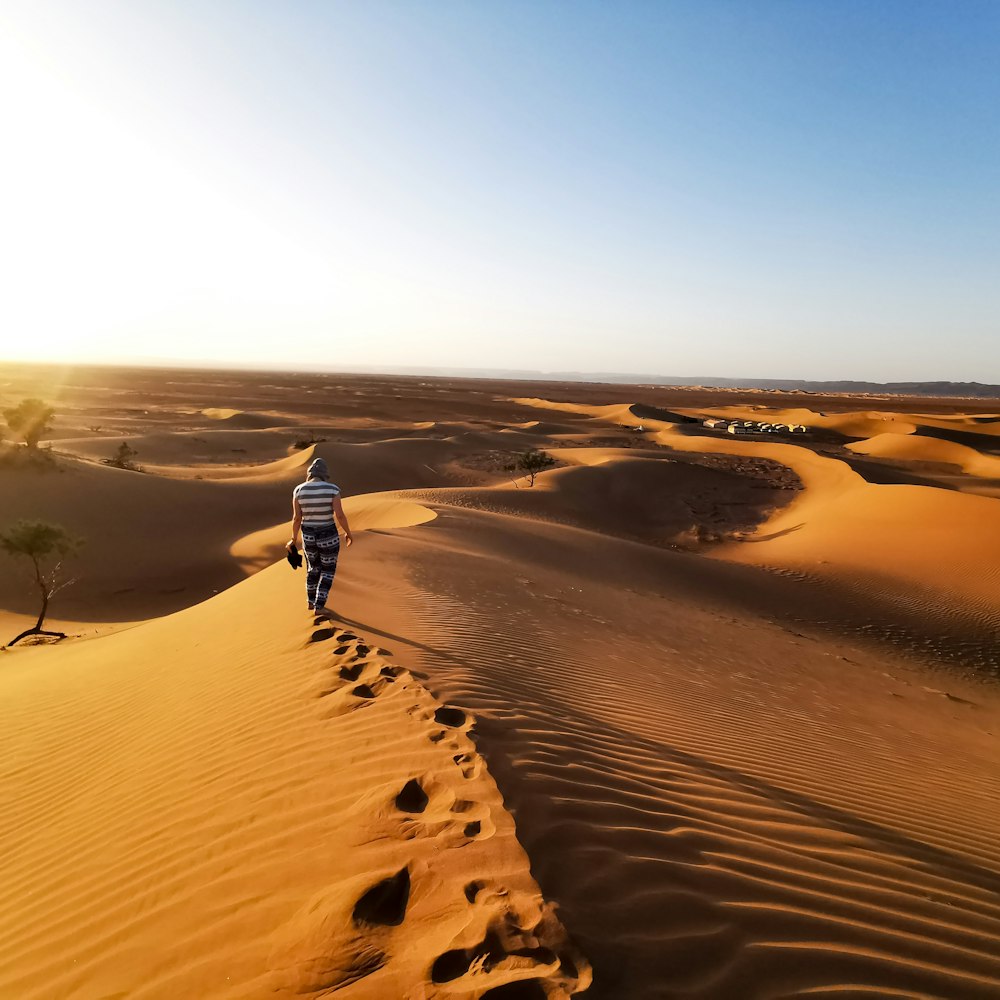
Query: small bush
{"x":124,"y":458}
{"x":302,"y":443}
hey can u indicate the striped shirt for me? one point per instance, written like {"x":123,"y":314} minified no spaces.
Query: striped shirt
{"x":316,"y":498}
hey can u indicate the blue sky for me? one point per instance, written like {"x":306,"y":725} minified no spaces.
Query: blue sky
{"x":784,"y":189}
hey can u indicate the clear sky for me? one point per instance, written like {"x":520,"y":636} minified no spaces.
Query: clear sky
{"x":787,"y":189}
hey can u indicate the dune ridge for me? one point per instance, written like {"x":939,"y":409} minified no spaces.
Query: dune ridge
{"x":839,"y":837}
{"x":252,"y":808}
{"x":926,"y":449}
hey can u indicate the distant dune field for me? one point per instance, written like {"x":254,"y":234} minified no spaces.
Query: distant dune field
{"x":693,"y":716}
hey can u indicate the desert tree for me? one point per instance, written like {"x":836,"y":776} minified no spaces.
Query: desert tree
{"x":30,"y":418}
{"x":45,"y":546}
{"x":124,"y":458}
{"x":530,"y":463}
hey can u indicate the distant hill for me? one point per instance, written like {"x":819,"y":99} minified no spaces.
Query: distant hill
{"x":976,"y":390}
{"x":967,"y":390}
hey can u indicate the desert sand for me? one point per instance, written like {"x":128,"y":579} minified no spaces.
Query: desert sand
{"x":692,"y":717}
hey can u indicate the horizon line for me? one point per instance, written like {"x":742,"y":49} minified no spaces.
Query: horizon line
{"x":727,"y":383}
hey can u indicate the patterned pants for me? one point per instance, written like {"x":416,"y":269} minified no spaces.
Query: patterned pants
{"x":321,"y":544}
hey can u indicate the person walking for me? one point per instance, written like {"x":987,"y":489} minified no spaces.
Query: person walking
{"x":315,"y":504}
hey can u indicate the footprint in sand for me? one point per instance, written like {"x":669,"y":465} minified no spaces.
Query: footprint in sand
{"x":356,"y":683}
{"x":441,"y":814}
{"x":384,"y":904}
{"x":453,"y":717}
{"x":352,"y":673}
{"x":340,"y":936}
{"x":343,"y":698}
{"x":511,"y":948}
{"x":412,"y":798}
{"x":373,"y":678}
{"x":470,"y":764}
{"x":373,"y":688}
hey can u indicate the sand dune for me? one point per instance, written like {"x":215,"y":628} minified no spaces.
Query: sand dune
{"x":723,"y":807}
{"x":860,"y":534}
{"x":734,"y":695}
{"x":235,"y":419}
{"x":978,"y":423}
{"x":925,"y":449}
{"x":369,"y":512}
{"x":963,"y":428}
{"x":646,"y":497}
{"x":294,"y":814}
{"x":158,"y":542}
{"x":863,"y":539}
{"x":152,"y":544}
{"x":220,"y":413}
{"x":199,"y":450}
{"x":851,"y":424}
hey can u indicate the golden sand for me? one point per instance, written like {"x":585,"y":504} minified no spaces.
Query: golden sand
{"x":692,"y":717}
